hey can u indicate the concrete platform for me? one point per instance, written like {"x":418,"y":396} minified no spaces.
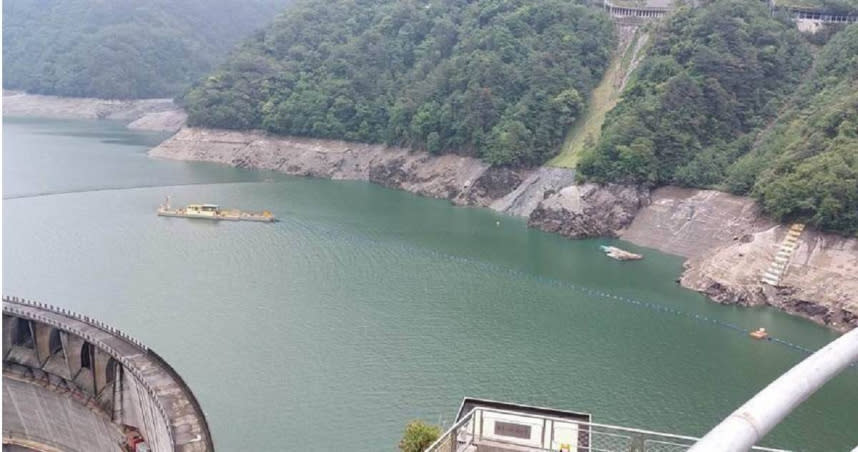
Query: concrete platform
{"x":36,"y":417}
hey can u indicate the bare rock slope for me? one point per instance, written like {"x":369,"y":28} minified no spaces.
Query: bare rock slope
{"x":821,"y":281}
{"x":730,"y":244}
{"x":589,"y":210}
{"x":540,"y":184}
{"x":146,"y":114}
{"x":689,"y":222}
{"x":463,"y":180}
{"x":169,"y":121}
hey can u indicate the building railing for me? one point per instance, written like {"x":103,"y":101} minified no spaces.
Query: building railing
{"x":821,"y":16}
{"x":596,"y":438}
{"x":635,"y":11}
{"x":795,"y":12}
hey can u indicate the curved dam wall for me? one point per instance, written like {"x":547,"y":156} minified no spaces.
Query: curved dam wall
{"x":74,"y":383}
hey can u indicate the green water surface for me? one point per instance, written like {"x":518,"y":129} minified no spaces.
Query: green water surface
{"x":367,"y":307}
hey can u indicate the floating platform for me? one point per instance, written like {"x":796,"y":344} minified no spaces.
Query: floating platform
{"x":619,"y":254}
{"x":214,"y":212}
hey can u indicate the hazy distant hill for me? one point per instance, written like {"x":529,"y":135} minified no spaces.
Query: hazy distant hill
{"x":122,"y":48}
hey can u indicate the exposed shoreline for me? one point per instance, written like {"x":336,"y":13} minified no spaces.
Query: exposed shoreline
{"x":727,"y":242}
{"x":140,"y":114}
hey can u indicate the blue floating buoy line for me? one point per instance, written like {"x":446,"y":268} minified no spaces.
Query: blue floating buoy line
{"x":566,"y":284}
{"x":631,"y":301}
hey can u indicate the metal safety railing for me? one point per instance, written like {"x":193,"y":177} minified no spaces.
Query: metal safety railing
{"x":753,"y":420}
{"x":468,"y":435}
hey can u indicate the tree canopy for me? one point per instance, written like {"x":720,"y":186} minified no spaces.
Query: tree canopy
{"x":806,"y":164}
{"x":727,"y":99}
{"x":501,"y":80}
{"x":418,"y":436}
{"x":122,"y":48}
{"x":713,"y":77}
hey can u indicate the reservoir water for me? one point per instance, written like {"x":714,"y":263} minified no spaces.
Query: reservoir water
{"x":364,"y":308}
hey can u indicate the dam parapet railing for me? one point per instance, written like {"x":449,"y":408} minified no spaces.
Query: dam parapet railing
{"x":185,"y":429}
{"x":86,"y":319}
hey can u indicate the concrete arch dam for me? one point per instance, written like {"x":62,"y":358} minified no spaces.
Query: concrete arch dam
{"x":72,"y":383}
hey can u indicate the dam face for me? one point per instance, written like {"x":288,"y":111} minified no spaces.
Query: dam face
{"x":73,"y":383}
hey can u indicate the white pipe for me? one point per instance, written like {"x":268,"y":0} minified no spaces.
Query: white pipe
{"x":750,"y":423}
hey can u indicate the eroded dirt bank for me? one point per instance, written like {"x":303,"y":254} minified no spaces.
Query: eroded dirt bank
{"x":141,"y":114}
{"x":726,"y":239}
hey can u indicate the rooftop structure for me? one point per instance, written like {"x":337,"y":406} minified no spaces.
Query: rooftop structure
{"x":490,"y":426}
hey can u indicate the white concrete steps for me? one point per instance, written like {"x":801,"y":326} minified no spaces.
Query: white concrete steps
{"x":772,"y":276}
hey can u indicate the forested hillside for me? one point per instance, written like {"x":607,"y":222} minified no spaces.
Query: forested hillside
{"x":806,"y":166}
{"x":713,"y":77}
{"x":499,"y":80}
{"x":122,"y":48}
{"x":726,"y":99}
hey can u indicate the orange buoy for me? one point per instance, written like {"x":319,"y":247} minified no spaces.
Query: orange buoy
{"x":759,"y":334}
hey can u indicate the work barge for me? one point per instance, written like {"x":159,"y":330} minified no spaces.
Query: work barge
{"x":213,"y":212}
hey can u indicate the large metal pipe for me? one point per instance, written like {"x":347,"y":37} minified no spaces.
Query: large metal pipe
{"x":753,"y":420}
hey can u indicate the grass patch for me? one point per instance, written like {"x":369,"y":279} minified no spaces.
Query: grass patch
{"x":587,"y":129}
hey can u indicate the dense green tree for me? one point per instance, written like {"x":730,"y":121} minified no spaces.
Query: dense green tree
{"x":122,"y":48}
{"x":418,"y":436}
{"x":501,"y":80}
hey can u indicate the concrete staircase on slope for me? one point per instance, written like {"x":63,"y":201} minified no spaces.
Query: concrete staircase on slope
{"x":778,"y":267}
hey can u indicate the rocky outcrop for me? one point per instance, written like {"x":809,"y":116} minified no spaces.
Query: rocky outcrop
{"x":540,"y":184}
{"x":730,"y":243}
{"x":167,"y":121}
{"x":463,"y":180}
{"x":145,"y":114}
{"x":820,"y":283}
{"x":589,"y":210}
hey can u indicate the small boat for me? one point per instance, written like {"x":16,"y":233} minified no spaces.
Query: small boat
{"x":619,"y":254}
{"x":760,"y":334}
{"x":213,"y":212}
